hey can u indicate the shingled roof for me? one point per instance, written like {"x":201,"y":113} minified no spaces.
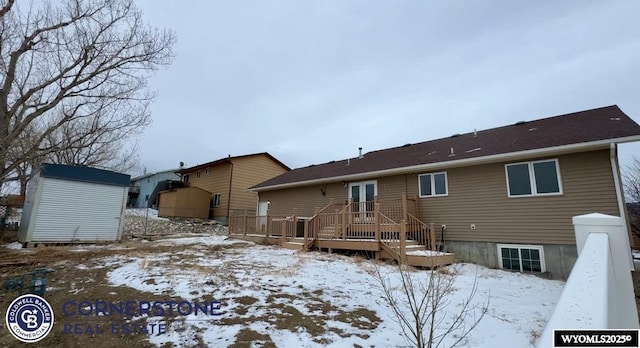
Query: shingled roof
{"x":575,"y":131}
{"x":230,"y":159}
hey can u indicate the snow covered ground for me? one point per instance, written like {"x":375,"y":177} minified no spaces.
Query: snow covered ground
{"x":325,"y":299}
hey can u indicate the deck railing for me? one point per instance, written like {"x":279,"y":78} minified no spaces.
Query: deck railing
{"x":392,"y":222}
{"x":599,"y":292}
{"x":244,"y":223}
{"x":421,"y":232}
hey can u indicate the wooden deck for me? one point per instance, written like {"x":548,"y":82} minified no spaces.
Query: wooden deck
{"x":349,"y":227}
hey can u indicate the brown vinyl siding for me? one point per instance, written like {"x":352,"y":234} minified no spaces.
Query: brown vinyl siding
{"x":303,"y":200}
{"x":216,"y":181}
{"x":239,"y":172}
{"x":247,"y":172}
{"x":478,"y":195}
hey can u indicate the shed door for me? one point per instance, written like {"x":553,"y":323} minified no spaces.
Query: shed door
{"x":77,"y":211}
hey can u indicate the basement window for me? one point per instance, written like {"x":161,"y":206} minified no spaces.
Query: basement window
{"x":433,"y":184}
{"x":216,"y":199}
{"x":521,"y":258}
{"x":538,"y":178}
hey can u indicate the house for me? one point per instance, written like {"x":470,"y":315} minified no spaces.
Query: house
{"x":142,"y":187}
{"x":228,"y":180}
{"x":67,"y":204}
{"x":501,"y":197}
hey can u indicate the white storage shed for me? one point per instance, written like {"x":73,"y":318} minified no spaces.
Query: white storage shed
{"x":66,"y":204}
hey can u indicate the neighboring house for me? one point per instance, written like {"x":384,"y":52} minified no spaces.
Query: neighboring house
{"x":502,"y":197}
{"x":142,"y":187}
{"x":66,"y":204}
{"x":228,"y":180}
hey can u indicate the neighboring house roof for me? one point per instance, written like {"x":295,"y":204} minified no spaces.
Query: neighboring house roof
{"x":229,"y":160}
{"x":575,"y":131}
{"x":84,"y":174}
{"x":144,"y":176}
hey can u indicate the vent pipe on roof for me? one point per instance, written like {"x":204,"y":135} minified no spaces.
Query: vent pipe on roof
{"x":452,"y":154}
{"x":475,"y":133}
{"x":360,"y":152}
{"x":348,"y":161}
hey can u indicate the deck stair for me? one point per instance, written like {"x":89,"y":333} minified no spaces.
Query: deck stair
{"x":294,"y":244}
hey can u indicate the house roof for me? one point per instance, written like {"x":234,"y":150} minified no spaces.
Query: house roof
{"x":84,"y":174}
{"x":230,"y":160}
{"x":143,"y":176}
{"x":570,"y":132}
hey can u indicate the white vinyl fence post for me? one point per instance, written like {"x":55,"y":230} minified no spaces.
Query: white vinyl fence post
{"x":622,"y":296}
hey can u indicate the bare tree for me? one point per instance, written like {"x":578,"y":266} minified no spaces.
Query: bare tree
{"x":420,"y":302}
{"x":631,"y":178}
{"x":73,"y":80}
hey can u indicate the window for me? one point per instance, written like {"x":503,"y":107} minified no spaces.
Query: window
{"x":521,"y":258}
{"x":433,"y":185}
{"x":146,"y":198}
{"x":545,"y":174}
{"x":185,"y":178}
{"x":207,"y":170}
{"x":198,"y":174}
{"x":216,"y":199}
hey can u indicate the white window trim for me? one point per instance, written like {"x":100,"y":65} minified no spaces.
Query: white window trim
{"x":532,"y":179}
{"x":543,"y":264}
{"x":207,"y":170}
{"x":433,"y":185}
{"x":198,"y":174}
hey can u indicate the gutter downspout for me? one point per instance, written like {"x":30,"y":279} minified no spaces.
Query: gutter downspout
{"x":613,"y":155}
{"x":229,"y":196}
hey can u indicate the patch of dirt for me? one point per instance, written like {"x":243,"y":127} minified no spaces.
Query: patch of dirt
{"x":250,"y":338}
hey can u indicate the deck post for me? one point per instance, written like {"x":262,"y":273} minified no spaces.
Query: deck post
{"x":244,"y":223}
{"x":403,"y":241}
{"x":415,"y":206}
{"x":404,"y":206}
{"x":266,"y":223}
{"x":344,"y":223}
{"x":316,"y":224}
{"x":376,"y":218}
{"x":306,"y":235}
{"x":432,"y":236}
{"x":294,"y":228}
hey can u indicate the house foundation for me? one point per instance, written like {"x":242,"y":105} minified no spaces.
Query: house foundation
{"x":558,"y":258}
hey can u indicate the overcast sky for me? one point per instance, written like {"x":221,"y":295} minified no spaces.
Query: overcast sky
{"x":311,"y":81}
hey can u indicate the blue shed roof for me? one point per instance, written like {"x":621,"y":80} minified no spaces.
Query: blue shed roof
{"x":85,"y":174}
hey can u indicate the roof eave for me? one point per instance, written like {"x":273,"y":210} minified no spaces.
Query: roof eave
{"x":459,"y":163}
